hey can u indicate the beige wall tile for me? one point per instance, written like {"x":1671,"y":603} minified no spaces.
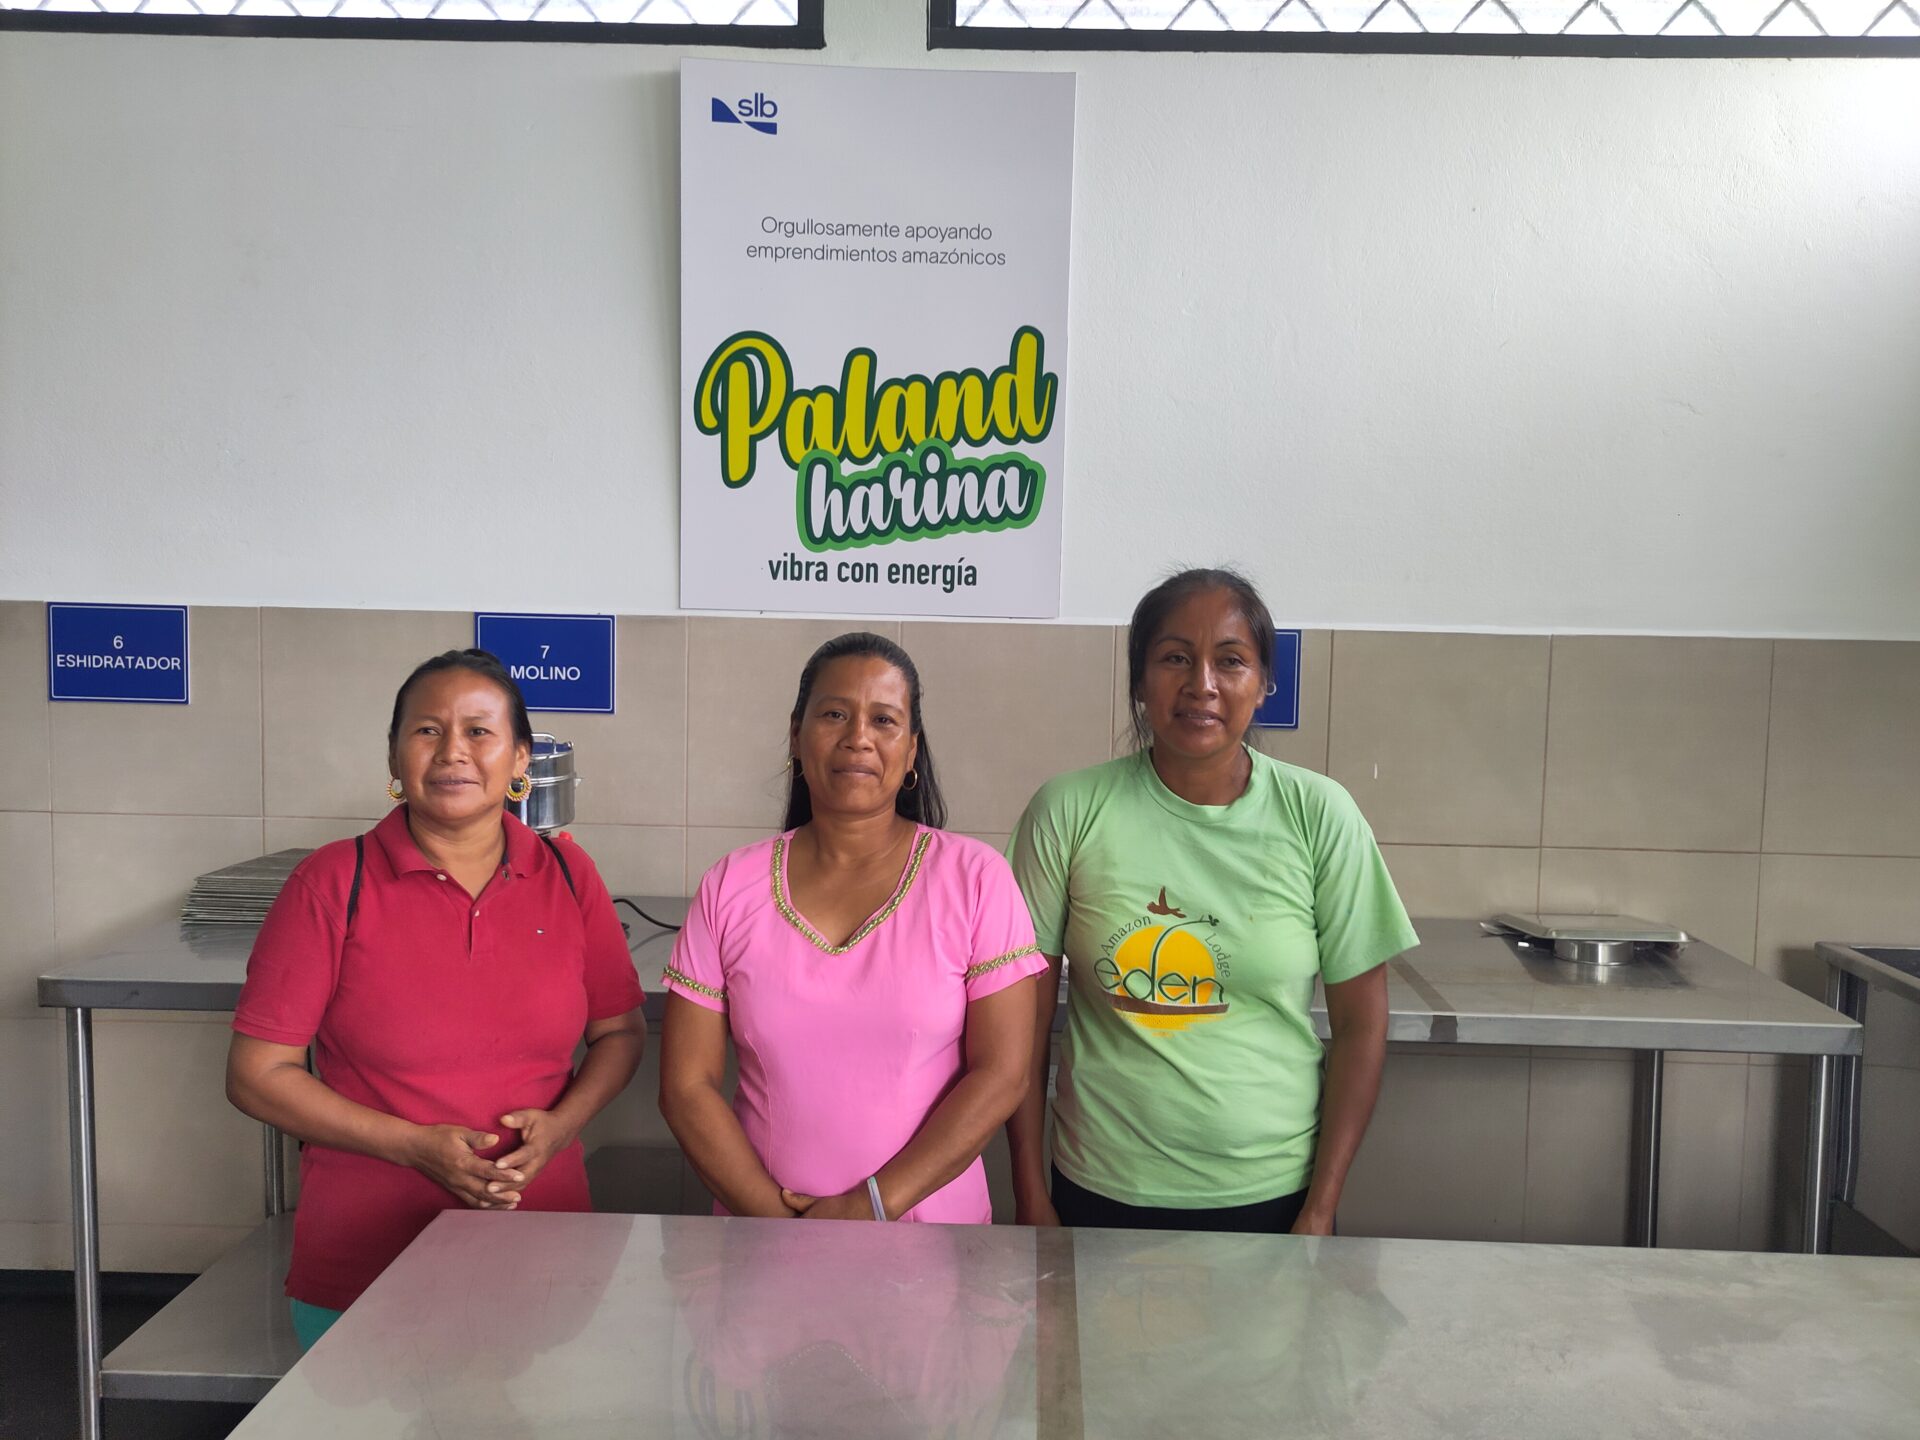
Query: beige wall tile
{"x":707,"y":844}
{"x":167,"y":1249}
{"x":1122,"y":739}
{"x":1441,"y":738}
{"x":1713,"y":897}
{"x":1463,"y":882}
{"x":1774,"y":1160}
{"x":633,"y":764}
{"x":24,"y":717}
{"x":1702,"y":1144}
{"x":1445,"y":1157}
{"x":284,"y":832}
{"x":163,"y":1249}
{"x":1808,"y":898}
{"x":33,"y":1122}
{"x":113,"y":873}
{"x":26,"y":903}
{"x":1657,"y":744}
{"x":1843,"y":763}
{"x":329,"y":681}
{"x":172,"y":1150}
{"x":1580,"y":1151}
{"x":636,"y":859}
{"x":741,"y":678}
{"x":202,"y":758}
{"x":35,"y":1245}
{"x":1889,"y":1192}
{"x":1305,"y":746}
{"x":1008,"y":707}
{"x":633,"y":1116}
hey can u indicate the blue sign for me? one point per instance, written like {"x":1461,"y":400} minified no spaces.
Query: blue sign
{"x":131,"y":653}
{"x":1281,"y":710}
{"x":560,"y":662}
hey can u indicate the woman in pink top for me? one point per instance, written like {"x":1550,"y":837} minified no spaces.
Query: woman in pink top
{"x":873,"y":972}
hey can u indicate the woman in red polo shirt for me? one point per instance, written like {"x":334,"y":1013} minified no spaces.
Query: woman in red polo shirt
{"x":443,"y":967}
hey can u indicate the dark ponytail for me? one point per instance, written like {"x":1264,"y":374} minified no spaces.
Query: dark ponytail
{"x":921,"y":804}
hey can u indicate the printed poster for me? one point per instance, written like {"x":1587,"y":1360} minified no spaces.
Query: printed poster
{"x":874,"y":269}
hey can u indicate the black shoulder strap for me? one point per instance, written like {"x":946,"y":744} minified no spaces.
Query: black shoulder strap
{"x":359,"y":864}
{"x":564,"y":871}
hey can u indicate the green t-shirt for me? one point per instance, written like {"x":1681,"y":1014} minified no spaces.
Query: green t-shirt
{"x":1190,"y":1075}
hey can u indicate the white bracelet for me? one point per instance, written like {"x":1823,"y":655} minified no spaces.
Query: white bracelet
{"x":873,"y":1195}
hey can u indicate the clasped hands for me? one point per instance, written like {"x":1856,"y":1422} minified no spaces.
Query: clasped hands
{"x":848,"y":1205}
{"x":449,"y":1156}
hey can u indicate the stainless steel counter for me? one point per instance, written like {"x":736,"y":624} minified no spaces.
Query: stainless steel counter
{"x":595,"y":1326}
{"x":1460,"y":986}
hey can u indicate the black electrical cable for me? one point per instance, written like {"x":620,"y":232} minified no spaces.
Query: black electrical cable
{"x":660,"y":924}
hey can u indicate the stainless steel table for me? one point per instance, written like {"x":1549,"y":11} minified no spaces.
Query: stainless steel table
{"x":1853,"y":971}
{"x":590,"y":1326}
{"x":1465,"y":986}
{"x":1460,"y":986}
{"x":216,"y":1341}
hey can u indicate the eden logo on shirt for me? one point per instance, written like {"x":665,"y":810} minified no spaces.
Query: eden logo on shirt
{"x":1164,"y":971}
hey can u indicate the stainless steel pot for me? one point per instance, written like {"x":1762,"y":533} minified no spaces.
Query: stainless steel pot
{"x":549,"y":803}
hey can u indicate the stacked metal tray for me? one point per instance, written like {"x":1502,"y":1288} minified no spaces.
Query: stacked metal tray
{"x":240,"y":894}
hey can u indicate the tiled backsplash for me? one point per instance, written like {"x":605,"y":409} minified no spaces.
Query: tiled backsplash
{"x":1762,"y":794}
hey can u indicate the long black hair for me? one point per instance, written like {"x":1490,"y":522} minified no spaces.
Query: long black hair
{"x":1150,"y":617}
{"x":922,"y":803}
{"x":481,"y":662}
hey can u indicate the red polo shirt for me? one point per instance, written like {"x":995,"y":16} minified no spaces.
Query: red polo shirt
{"x":435,"y":1007}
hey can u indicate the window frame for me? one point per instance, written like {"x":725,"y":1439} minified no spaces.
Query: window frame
{"x":944,"y":32}
{"x":808,"y":33}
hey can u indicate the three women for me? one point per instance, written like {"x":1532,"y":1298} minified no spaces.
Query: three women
{"x":887,"y":987}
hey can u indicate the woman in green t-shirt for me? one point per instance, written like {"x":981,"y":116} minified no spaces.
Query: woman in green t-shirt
{"x":1199,"y":888}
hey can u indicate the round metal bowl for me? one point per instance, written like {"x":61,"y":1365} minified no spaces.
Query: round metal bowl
{"x":1595,"y":952}
{"x":549,"y":803}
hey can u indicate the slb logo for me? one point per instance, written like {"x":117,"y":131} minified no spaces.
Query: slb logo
{"x":755,"y":112}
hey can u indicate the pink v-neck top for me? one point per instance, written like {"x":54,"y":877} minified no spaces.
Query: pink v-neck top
{"x":844,"y":1050}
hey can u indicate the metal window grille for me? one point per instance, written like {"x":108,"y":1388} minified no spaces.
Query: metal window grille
{"x":1862,"y":27}
{"x":781,"y":23}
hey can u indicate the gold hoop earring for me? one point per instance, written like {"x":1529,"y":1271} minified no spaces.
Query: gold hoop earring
{"x":396,"y":792}
{"x":519,"y":788}
{"x":793,"y":764}
{"x":913,"y":780}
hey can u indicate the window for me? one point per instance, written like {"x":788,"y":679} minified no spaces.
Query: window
{"x":786,"y":24}
{"x":1503,"y":27}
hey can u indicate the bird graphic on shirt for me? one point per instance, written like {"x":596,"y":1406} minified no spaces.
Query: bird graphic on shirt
{"x":1160,"y":906}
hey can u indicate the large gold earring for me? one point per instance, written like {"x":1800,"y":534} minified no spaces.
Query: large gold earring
{"x":519,"y":788}
{"x":396,"y":791}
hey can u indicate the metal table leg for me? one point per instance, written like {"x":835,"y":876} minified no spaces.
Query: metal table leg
{"x":1847,"y":994}
{"x":276,"y":1167}
{"x":1816,"y":1210}
{"x":86,"y":1216}
{"x":1646,"y":1200}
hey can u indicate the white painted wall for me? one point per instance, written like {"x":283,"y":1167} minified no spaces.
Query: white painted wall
{"x":393,"y":324}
